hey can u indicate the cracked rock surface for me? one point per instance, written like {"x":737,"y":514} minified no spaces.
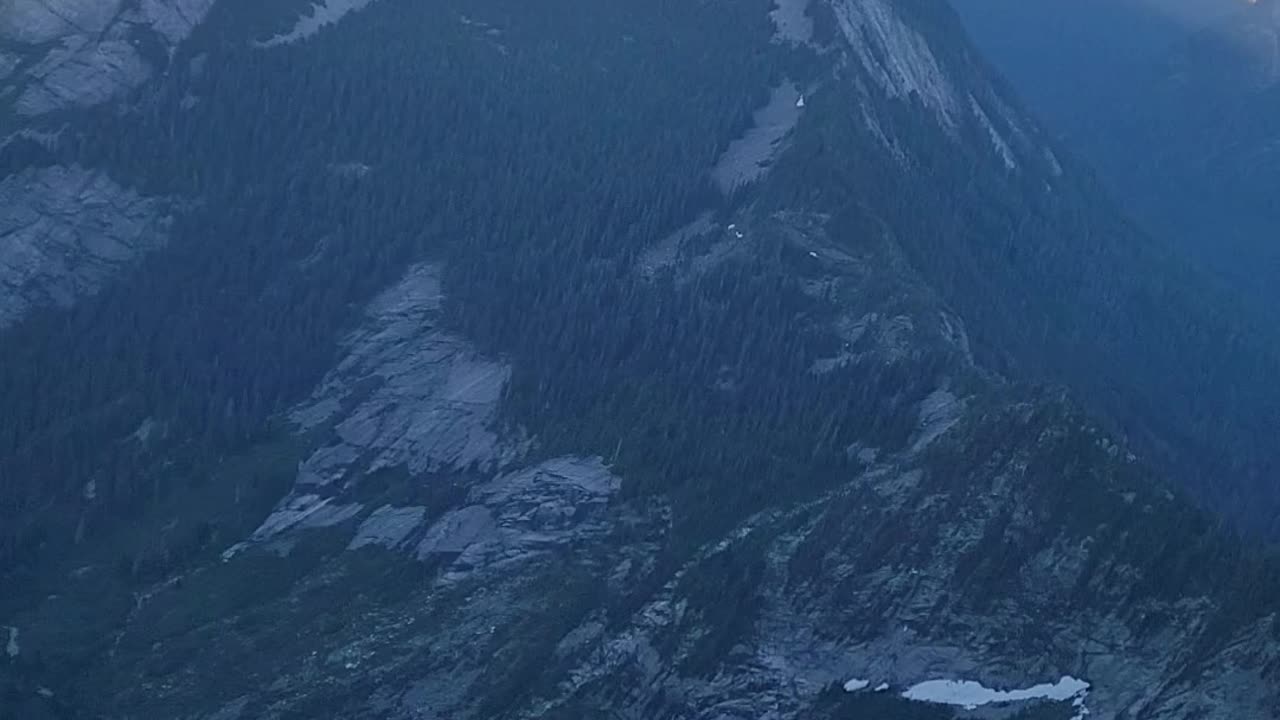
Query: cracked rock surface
{"x":81,"y":53}
{"x":64,"y":231}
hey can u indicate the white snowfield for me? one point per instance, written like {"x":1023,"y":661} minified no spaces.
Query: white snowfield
{"x":855,"y":685}
{"x":969,"y":694}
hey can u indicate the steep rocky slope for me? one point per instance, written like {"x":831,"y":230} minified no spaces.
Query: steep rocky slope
{"x":782,"y":470}
{"x":68,"y":230}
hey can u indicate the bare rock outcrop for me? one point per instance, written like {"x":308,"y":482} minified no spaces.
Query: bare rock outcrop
{"x":78,"y":53}
{"x":65,"y":231}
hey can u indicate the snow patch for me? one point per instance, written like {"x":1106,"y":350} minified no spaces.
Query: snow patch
{"x":36,"y":22}
{"x":856,"y":684}
{"x":882,"y":687}
{"x":11,"y":648}
{"x":86,"y":49}
{"x":970,"y":695}
{"x":406,"y":394}
{"x":65,"y":232}
{"x":174,"y":19}
{"x":522,"y":514}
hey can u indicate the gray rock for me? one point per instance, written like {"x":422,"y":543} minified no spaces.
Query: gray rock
{"x":432,"y":401}
{"x":747,"y":158}
{"x":518,"y":515}
{"x":405,"y":395}
{"x":172,"y":19}
{"x":460,"y":530}
{"x":33,"y":22}
{"x":82,"y":73}
{"x":64,"y":232}
{"x":939,"y":412}
{"x":388,"y":526}
{"x":295,"y":513}
{"x":83,"y":53}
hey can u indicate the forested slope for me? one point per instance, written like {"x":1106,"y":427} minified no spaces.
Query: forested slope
{"x":460,"y":388}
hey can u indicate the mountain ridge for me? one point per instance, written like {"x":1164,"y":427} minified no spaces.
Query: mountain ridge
{"x":523,"y":470}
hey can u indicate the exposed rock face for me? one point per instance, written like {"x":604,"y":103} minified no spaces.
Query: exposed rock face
{"x":388,"y":526}
{"x":407,"y":393}
{"x":66,"y":231}
{"x":896,"y":61}
{"x":95,"y":54}
{"x":932,"y":564}
{"x":899,"y":59}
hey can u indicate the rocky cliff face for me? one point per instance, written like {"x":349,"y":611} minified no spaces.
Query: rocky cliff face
{"x":68,"y":230}
{"x":986,"y":551}
{"x":63,"y":54}
{"x":64,"y":232}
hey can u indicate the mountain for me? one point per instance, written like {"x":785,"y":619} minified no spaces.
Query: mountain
{"x":1175,"y":110}
{"x":663,"y":359}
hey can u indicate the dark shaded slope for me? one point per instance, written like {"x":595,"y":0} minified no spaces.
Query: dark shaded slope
{"x":1053,"y":279}
{"x":1177,"y":113}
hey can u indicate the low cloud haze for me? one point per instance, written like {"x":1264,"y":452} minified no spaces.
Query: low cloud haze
{"x":1192,"y":12}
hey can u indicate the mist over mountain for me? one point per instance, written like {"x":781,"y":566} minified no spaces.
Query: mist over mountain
{"x":1176,"y":105}
{"x":722,"y":359}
